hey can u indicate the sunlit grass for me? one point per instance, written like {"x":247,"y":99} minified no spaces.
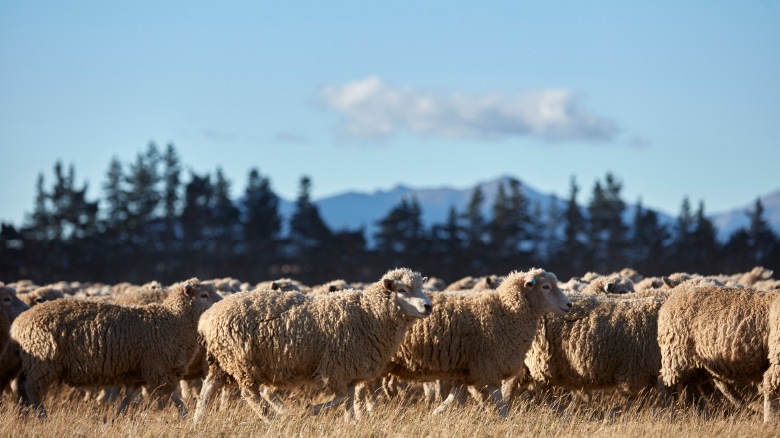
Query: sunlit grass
{"x":73,"y":417}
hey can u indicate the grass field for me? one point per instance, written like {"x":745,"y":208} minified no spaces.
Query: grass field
{"x":76,"y":418}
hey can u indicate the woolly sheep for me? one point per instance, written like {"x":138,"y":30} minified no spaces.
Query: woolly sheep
{"x":603,"y":343}
{"x":771,"y":386}
{"x":281,"y":285}
{"x":479,"y":339}
{"x":84,"y":343}
{"x":649,"y":283}
{"x":434,"y":284}
{"x":759,"y":273}
{"x":326,"y":288}
{"x":714,"y":332}
{"x":474,"y":283}
{"x":613,"y":284}
{"x":41,"y":295}
{"x":10,"y":308}
{"x":288,"y":339}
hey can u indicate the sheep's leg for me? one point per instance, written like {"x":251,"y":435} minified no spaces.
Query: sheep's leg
{"x":210,"y":387}
{"x":771,"y":406}
{"x":455,"y":395}
{"x":270,"y":397}
{"x":175,"y":397}
{"x":130,"y":393}
{"x":501,"y":403}
{"x":322,"y":407}
{"x":364,"y":396}
{"x":429,"y":390}
{"x":255,"y":401}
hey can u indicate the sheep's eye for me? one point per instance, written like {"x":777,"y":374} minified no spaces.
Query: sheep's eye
{"x":7,"y":299}
{"x":546,"y":287}
{"x":204,"y":295}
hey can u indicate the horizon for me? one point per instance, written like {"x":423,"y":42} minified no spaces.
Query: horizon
{"x":675,"y":100}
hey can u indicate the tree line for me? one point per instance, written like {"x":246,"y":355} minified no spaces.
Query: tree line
{"x":152,"y":223}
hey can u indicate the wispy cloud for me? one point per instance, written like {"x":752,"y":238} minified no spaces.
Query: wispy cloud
{"x":373,"y":109}
{"x":291,"y":138}
{"x":219,"y":136}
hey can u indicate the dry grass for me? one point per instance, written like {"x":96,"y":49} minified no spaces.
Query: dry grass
{"x":69,"y":418}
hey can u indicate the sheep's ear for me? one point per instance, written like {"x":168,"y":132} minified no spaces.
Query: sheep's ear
{"x":388,"y":284}
{"x":489,"y":281}
{"x":189,"y":289}
{"x":275,"y":286}
{"x":530,"y":283}
{"x":425,"y":279}
{"x":332,"y":288}
{"x":40,"y":299}
{"x":610,"y":287}
{"x":668,"y":281}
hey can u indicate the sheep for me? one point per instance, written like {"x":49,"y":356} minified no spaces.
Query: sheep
{"x":84,"y":343}
{"x":631,"y":274}
{"x":714,"y":332}
{"x":605,"y":342}
{"x":614,"y":284}
{"x":771,"y":384}
{"x":479,"y":339}
{"x":41,"y":295}
{"x":288,"y":339}
{"x":11,"y":307}
{"x":474,"y":283}
{"x":281,"y":285}
{"x":326,"y":288}
{"x":434,"y":284}
{"x":756,"y":274}
{"x":649,"y":283}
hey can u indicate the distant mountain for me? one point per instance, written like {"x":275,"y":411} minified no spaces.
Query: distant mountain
{"x":730,"y":221}
{"x":353,"y":210}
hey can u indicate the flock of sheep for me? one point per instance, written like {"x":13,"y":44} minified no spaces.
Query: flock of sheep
{"x":684,"y":337}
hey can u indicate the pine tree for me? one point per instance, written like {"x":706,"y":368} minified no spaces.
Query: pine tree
{"x":475,"y":233}
{"x":573,"y":251}
{"x":262,"y":223}
{"x":307,"y":229}
{"x":172,"y":180}
{"x":683,"y":238}
{"x":143,"y":196}
{"x":763,"y":239}
{"x":115,"y":196}
{"x":704,"y":250}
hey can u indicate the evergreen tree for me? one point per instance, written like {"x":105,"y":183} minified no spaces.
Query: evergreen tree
{"x":196,"y":215}
{"x":307,"y":229}
{"x":704,"y":250}
{"x":401,"y":231}
{"x":225,"y":215}
{"x":763,"y":239}
{"x":262,"y":223}
{"x":172,"y":180}
{"x":573,"y":252}
{"x":475,"y":233}
{"x":143,"y":196}
{"x":115,"y":196}
{"x":649,"y":242}
{"x":683,"y":238}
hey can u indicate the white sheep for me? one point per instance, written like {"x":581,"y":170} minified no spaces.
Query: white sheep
{"x":605,"y":342}
{"x":84,"y":343}
{"x":479,"y":339}
{"x":285,"y":340}
{"x":714,"y":332}
{"x":612,"y":284}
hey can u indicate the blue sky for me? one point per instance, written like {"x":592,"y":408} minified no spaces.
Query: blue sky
{"x":675,"y":99}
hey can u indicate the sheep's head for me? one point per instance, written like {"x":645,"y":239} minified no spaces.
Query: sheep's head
{"x":618,"y":285}
{"x":541,"y":289}
{"x":10,"y":304}
{"x":202,"y":294}
{"x":406,"y":288}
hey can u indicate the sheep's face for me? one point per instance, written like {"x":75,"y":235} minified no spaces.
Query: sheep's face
{"x":412,"y":301}
{"x":548,"y":295}
{"x":10,"y":304}
{"x":203,"y":294}
{"x":619,"y":286}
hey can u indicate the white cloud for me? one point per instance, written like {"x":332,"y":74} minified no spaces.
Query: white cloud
{"x":372,"y":109}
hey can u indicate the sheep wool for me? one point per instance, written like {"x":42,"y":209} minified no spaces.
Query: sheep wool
{"x":84,"y":343}
{"x":720,"y":332}
{"x":480,"y":338}
{"x":286,"y":339}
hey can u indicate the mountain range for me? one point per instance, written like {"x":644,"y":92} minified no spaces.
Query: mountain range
{"x":353,"y":210}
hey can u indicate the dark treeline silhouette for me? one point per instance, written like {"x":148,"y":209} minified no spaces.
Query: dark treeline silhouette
{"x":154,"y":222}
